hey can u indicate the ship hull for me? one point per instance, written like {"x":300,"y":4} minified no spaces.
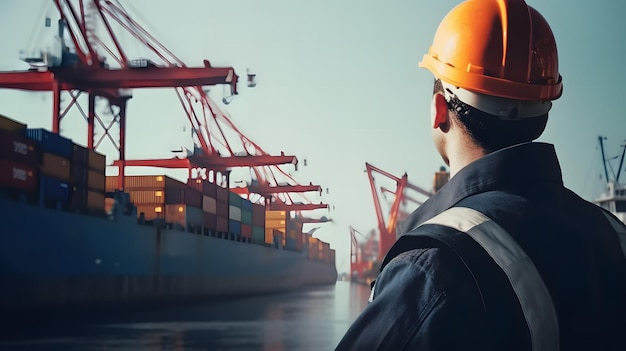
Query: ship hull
{"x":53,"y":258}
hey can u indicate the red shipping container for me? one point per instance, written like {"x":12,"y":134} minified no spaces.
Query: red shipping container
{"x":222,"y":194}
{"x":209,"y":189}
{"x":221,"y":224}
{"x":209,"y":221}
{"x":222,"y":209}
{"x":18,"y":148}
{"x":193,"y":197}
{"x":246,"y":230}
{"x":15,"y":175}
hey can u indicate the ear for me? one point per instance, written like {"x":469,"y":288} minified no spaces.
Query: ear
{"x":440,"y":119}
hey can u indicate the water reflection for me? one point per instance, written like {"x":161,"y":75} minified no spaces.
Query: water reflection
{"x":314,"y":319}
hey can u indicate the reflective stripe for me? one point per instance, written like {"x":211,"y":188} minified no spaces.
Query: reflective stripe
{"x":620,"y":229}
{"x":530,"y":289}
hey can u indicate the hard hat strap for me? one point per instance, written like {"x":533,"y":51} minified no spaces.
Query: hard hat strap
{"x":507,"y":109}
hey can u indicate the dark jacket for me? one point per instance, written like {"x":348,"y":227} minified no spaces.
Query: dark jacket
{"x":426,"y":298}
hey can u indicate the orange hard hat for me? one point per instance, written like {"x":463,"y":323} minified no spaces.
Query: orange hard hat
{"x":502,"y":48}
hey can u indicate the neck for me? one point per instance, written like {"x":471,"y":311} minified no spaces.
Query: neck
{"x":461,"y":152}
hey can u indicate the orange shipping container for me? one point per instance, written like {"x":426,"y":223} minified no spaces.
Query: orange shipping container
{"x":55,"y":167}
{"x":96,"y":180}
{"x":270,"y":234}
{"x":150,"y":182}
{"x":96,"y":160}
{"x":151,"y":212}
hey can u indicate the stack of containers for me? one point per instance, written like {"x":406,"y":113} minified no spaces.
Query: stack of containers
{"x":313,"y":244}
{"x":55,"y":168}
{"x":234,"y":214}
{"x":87,"y":176}
{"x":275,"y":222}
{"x":246,"y":220}
{"x":19,"y":158}
{"x":159,"y":196}
{"x":331,"y":256}
{"x":294,"y":238}
{"x":222,"y":210}
{"x":209,"y":207}
{"x":258,"y":224}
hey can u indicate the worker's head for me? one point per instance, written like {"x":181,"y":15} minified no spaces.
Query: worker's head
{"x":496,"y":71}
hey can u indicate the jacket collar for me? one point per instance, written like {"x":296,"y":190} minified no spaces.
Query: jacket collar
{"x":501,"y":169}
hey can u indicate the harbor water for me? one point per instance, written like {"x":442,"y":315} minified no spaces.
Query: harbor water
{"x":308,"y":320}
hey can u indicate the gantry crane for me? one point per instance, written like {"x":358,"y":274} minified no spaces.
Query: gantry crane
{"x":95,"y":63}
{"x":387,"y":227}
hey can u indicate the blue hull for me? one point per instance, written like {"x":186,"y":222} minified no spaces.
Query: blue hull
{"x":50,"y":258}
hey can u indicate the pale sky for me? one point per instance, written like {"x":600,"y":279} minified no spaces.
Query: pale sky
{"x":339,"y":86}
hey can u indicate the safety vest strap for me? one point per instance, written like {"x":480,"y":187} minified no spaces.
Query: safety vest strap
{"x":620,"y":229}
{"x":529,"y":287}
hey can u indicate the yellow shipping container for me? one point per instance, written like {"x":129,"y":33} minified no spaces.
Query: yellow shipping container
{"x":270,"y":233}
{"x":276,"y":215}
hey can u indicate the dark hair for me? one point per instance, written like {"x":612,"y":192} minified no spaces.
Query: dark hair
{"x":489,"y":131}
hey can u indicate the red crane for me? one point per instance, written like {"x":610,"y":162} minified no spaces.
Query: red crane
{"x":95,"y":63}
{"x":387,"y":226}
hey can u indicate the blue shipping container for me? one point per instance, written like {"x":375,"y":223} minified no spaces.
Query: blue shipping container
{"x":246,"y":205}
{"x":54,"y":189}
{"x":234,"y":226}
{"x":52,"y":142}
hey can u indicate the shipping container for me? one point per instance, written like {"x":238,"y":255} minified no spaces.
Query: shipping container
{"x":193,"y":197}
{"x":148,"y":182}
{"x":51,"y":142}
{"x":150,"y":212}
{"x":221,"y":224}
{"x":258,"y":215}
{"x":55,"y":166}
{"x":209,"y":189}
{"x":258,"y":235}
{"x":234,"y":227}
{"x":96,"y":180}
{"x":222,"y":208}
{"x":246,"y":231}
{"x":234,"y":213}
{"x":54,"y":189}
{"x":12,"y":125}
{"x":246,"y":216}
{"x":95,"y":201}
{"x":274,"y":237}
{"x":234,"y":199}
{"x":188,"y":217}
{"x":209,"y":204}
{"x":78,"y":197}
{"x":17,"y":176}
{"x":96,"y":160}
{"x":78,"y":175}
{"x":16,"y":147}
{"x":246,"y":205}
{"x":209,"y":221}
{"x":80,"y":156}
{"x":167,"y":196}
{"x":276,"y":215}
{"x":222,"y":194}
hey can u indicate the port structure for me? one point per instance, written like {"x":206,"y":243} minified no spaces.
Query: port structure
{"x":392,"y":204}
{"x":387,"y":226}
{"x":93,"y":62}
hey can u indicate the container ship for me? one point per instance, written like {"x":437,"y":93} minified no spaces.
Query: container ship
{"x":70,"y":237}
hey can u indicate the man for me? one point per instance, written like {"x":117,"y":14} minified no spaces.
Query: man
{"x":503,"y":257}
